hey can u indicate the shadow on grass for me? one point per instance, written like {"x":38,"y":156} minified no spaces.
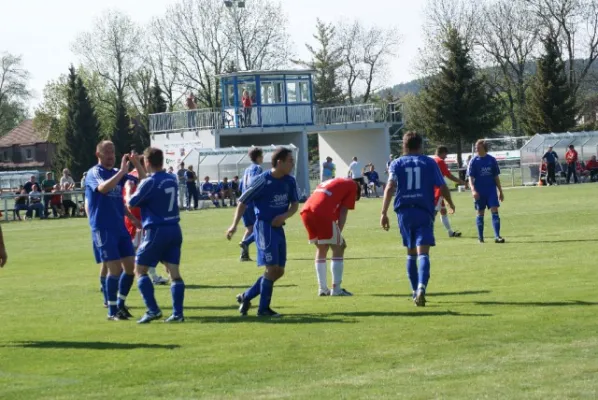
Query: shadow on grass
{"x":571,"y":303}
{"x":231,"y":286}
{"x":285,"y":319}
{"x":407,"y":314}
{"x":436,"y":294}
{"x":352,"y":258}
{"x":553,"y":241}
{"x":52,"y":344}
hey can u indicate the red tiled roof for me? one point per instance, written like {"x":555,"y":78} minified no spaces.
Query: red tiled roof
{"x":27,"y":164}
{"x":24,"y":134}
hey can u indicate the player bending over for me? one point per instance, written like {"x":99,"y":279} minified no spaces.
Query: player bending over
{"x":414,"y":177}
{"x":324,"y":216}
{"x":274,"y":195}
{"x":157,"y":197}
{"x":103,"y":191}
{"x":441,"y":153}
{"x":484,"y":180}
{"x":256,"y":155}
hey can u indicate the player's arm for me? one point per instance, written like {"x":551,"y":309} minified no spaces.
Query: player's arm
{"x":388,"y":193}
{"x":501,"y":196}
{"x":453,"y":178}
{"x":136,"y":161}
{"x":106,"y":186}
{"x":342,"y":217}
{"x":133,"y":218}
{"x":140,"y":197}
{"x":252,"y":192}
{"x":446,"y":195}
{"x":3,"y":256}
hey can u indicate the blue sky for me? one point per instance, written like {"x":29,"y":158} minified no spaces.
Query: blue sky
{"x":42,"y":31}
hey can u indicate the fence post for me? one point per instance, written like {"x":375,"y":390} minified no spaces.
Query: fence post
{"x":512,"y":177}
{"x":5,"y":209}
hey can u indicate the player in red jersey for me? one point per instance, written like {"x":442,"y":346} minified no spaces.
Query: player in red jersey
{"x":131,"y":224}
{"x":441,"y":153}
{"x":324,"y":216}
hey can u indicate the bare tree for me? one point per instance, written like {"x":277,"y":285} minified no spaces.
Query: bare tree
{"x":509,"y":37}
{"x":13,"y":91}
{"x":141,"y":87}
{"x":260,"y":34}
{"x":352,"y":69}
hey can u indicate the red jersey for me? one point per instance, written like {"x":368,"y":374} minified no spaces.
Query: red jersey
{"x":444,"y":170}
{"x":330,"y":195}
{"x":571,"y":156}
{"x":592,"y":165}
{"x":136,"y":211}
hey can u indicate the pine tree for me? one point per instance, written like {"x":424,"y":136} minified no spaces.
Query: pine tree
{"x":326,"y":61}
{"x":64,"y":155}
{"x":456,"y":107}
{"x":551,"y":104}
{"x":157,"y":102}
{"x":121,"y":136}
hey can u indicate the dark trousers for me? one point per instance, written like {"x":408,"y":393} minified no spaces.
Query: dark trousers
{"x":550,"y":172}
{"x":46,"y":200}
{"x":70,"y":205}
{"x":593,"y":175}
{"x":572,"y":170}
{"x":192,"y":193}
{"x":361,"y":182}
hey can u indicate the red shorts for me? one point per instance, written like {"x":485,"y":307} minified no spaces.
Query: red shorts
{"x":321,"y":230}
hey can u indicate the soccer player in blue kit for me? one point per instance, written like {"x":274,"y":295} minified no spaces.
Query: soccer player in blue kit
{"x":414,"y":177}
{"x":256,"y":155}
{"x":275,"y":198}
{"x":111,"y":241}
{"x":157,"y":197}
{"x":484,"y":180}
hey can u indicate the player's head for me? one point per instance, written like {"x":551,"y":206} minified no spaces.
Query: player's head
{"x":106,"y":153}
{"x":282,"y":160}
{"x":481,"y":147}
{"x":441,"y":152}
{"x":549,"y":148}
{"x":412,"y":143}
{"x":153,"y":159}
{"x":206,"y":179}
{"x":372,"y":167}
{"x":256,"y":155}
{"x":225,"y":179}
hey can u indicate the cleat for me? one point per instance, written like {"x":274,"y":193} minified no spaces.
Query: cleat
{"x":420,"y":299}
{"x":105,"y":305}
{"x":268,"y":313}
{"x":244,"y":305}
{"x":455,"y":234}
{"x":499,"y":240}
{"x":481,"y":240}
{"x":160,"y":281}
{"x":175,"y":318}
{"x":121,"y":316}
{"x":325,"y":292}
{"x":124,"y":310}
{"x":341,"y":292}
{"x":244,"y":252}
{"x":116,"y":317}
{"x":149,"y":317}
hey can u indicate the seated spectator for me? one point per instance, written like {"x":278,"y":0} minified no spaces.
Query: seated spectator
{"x":56,"y":202}
{"x":67,"y":200}
{"x":236,"y":186}
{"x":592,"y":168}
{"x":35,"y":203}
{"x":373,"y":179}
{"x":226,"y":192}
{"x":20,"y":202}
{"x":210,"y":190}
{"x":580,"y":169}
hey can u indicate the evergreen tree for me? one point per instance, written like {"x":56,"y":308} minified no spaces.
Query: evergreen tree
{"x":122,"y":136}
{"x":456,"y":106}
{"x":157,"y":102}
{"x":551,"y":104}
{"x":64,"y":154}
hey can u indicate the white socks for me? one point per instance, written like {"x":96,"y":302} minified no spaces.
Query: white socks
{"x":336,"y":266}
{"x":152,"y":273}
{"x":446,"y":223}
{"x":321,"y":272}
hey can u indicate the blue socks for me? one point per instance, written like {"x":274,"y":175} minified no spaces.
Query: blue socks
{"x":124,"y":287}
{"x":496,"y":224}
{"x":250,"y":239}
{"x":267,"y":287}
{"x":112,"y":293}
{"x":412,"y":271}
{"x":254,"y":291}
{"x":103,"y":286}
{"x":177,"y":289}
{"x":424,"y":271}
{"x":480,"y":223}
{"x":146,"y":288}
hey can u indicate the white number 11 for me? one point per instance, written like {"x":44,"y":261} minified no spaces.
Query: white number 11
{"x":414,"y":175}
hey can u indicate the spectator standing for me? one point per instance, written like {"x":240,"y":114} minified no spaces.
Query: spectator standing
{"x":246,"y":100}
{"x":182,"y":185}
{"x":47,"y":187}
{"x":66,"y":178}
{"x":328,"y":169}
{"x":29,"y":185}
{"x":571,"y":158}
{"x":191,"y":181}
{"x":550,"y":158}
{"x":20,"y":202}
{"x":355,"y":172}
{"x":192,"y":106}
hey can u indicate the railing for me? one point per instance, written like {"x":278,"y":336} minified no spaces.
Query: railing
{"x":185,"y":120}
{"x":8,"y":204}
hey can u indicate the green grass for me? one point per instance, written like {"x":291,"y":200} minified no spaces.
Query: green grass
{"x":503,"y":321}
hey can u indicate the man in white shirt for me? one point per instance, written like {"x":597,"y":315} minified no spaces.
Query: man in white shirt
{"x":356,"y":173}
{"x":66,"y":178}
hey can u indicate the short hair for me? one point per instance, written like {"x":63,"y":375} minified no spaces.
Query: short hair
{"x":255,"y":153}
{"x":483,"y":143}
{"x":182,"y":165}
{"x":154,"y":156}
{"x":441,"y":150}
{"x":412,"y":141}
{"x":280,"y":154}
{"x":236,"y":177}
{"x":102,"y":144}
{"x":206,"y":178}
{"x":571,"y":146}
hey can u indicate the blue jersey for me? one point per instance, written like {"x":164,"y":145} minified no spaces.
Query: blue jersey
{"x":372,"y":176}
{"x":224,"y":186}
{"x":270,"y":196}
{"x":106,"y":211}
{"x":208,"y":187}
{"x":250,"y":173}
{"x":484,"y":170}
{"x":157,"y":197}
{"x":415,"y":177}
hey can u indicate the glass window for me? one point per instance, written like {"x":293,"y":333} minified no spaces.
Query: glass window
{"x":304,"y":95}
{"x":250,"y":88}
{"x":292,"y":92}
{"x":272,"y":93}
{"x":28,"y":154}
{"x":230,"y":95}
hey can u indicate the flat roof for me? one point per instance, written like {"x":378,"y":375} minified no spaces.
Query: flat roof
{"x":269,"y":72}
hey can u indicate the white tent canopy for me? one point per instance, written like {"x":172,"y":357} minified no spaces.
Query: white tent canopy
{"x":227,"y":162}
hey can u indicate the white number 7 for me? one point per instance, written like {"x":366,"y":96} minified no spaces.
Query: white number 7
{"x":171,"y":191}
{"x":414,"y":174}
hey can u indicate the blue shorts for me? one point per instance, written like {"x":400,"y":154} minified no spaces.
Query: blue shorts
{"x":249,"y":216}
{"x":271,"y":245}
{"x":487,"y":200}
{"x":417,"y":228}
{"x":161,"y":243}
{"x":112,"y":245}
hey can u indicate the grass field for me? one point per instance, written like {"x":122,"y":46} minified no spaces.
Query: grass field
{"x":503,"y":321}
